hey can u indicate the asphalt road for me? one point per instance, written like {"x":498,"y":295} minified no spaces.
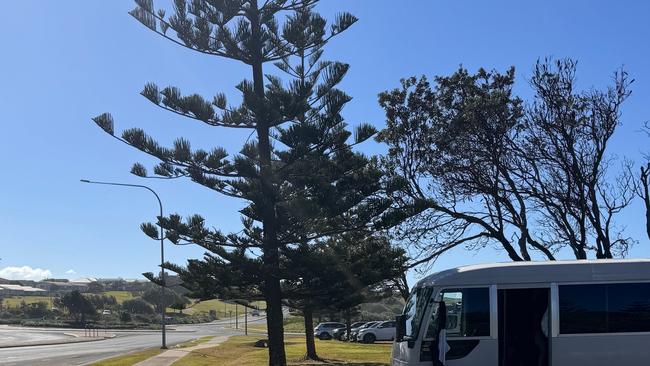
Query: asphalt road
{"x":10,"y":336}
{"x":88,"y":352}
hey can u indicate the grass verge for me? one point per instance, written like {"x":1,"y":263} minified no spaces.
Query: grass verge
{"x":129,"y":358}
{"x":238,"y":351}
{"x":135,"y":357}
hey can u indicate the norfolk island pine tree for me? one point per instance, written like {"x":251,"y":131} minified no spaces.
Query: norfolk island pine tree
{"x":248,"y":32}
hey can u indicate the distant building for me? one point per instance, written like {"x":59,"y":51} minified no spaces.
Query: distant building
{"x":19,"y":290}
{"x":55,"y":286}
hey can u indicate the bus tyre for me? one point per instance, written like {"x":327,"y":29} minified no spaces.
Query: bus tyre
{"x":369,"y":338}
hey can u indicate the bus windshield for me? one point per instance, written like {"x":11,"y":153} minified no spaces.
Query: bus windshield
{"x":414,"y":311}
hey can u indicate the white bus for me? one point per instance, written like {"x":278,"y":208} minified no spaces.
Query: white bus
{"x":558,"y":313}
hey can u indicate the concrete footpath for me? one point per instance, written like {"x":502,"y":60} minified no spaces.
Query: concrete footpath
{"x":170,"y":356}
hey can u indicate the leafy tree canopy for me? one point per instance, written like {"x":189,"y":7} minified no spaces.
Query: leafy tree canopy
{"x":477,"y":166}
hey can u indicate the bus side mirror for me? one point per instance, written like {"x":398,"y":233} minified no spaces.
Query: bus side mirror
{"x":400,"y":328}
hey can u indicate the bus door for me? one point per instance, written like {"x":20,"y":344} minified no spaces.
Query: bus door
{"x":524,"y":324}
{"x":471,"y":338}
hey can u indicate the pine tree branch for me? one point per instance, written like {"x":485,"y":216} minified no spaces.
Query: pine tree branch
{"x":273,"y":55}
{"x":174,"y":40}
{"x":210,"y":122}
{"x":295,"y":5}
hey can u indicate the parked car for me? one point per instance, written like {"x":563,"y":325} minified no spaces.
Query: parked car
{"x":355,"y":332}
{"x":325,"y":330}
{"x":383,"y":331}
{"x":341,"y":333}
{"x":255,"y":312}
{"x":106,"y":312}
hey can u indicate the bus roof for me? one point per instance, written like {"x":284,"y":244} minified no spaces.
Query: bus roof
{"x":603,"y":270}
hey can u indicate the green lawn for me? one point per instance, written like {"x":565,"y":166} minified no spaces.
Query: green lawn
{"x":238,"y":351}
{"x":223,"y":309}
{"x":15,"y":301}
{"x":120,"y":296}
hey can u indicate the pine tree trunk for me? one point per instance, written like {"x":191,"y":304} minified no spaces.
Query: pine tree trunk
{"x":270,"y":247}
{"x":274,"y":323}
{"x":309,"y":334}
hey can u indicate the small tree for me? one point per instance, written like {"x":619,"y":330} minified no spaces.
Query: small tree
{"x":102,"y":301}
{"x":95,"y":287}
{"x":338,"y":274}
{"x":36,"y":310}
{"x":137,"y":306}
{"x":125,"y":317}
{"x":363,"y":277}
{"x":77,"y":306}
{"x":152,"y":296}
{"x":180,"y":304}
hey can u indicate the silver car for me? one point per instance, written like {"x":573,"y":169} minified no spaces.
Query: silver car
{"x":325,"y":331}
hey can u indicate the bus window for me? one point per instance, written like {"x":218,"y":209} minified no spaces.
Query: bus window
{"x":414,"y":311}
{"x":468,"y":313}
{"x":605,"y":308}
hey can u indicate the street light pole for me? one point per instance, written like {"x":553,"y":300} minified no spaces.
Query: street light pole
{"x":162,"y":253}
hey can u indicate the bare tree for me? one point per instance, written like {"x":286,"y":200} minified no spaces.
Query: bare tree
{"x":566,"y":165}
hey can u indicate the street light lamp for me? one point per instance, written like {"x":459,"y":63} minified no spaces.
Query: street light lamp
{"x":162,"y":253}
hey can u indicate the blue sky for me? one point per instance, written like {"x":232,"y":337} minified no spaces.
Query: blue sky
{"x":64,"y":62}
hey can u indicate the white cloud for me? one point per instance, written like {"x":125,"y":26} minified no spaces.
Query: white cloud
{"x":25,"y":273}
{"x":71,"y":272}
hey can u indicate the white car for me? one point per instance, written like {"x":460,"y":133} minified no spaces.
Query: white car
{"x":384,"y":331}
{"x":326,"y":330}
